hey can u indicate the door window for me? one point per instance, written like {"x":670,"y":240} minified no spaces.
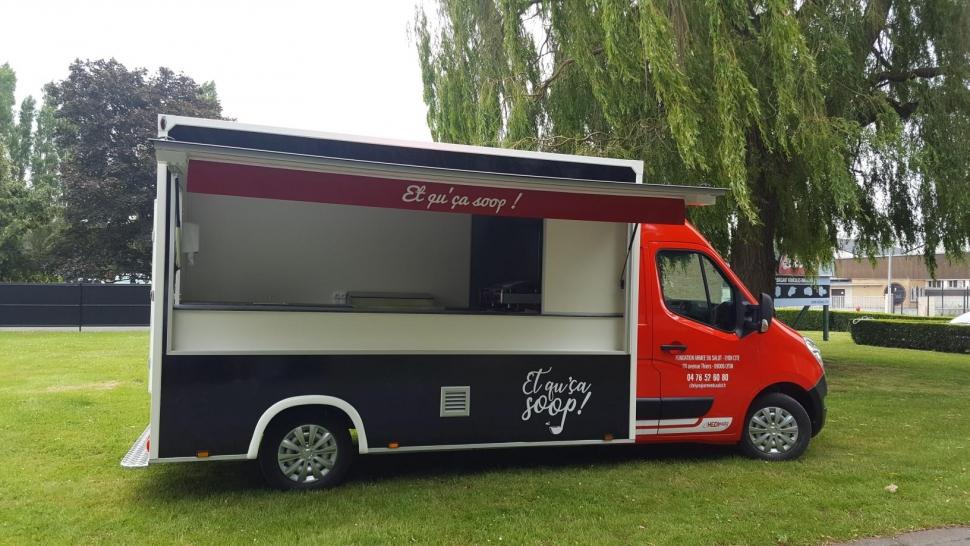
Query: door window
{"x":693,"y":287}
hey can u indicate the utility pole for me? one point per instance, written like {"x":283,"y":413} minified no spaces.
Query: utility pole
{"x":890,"y":302}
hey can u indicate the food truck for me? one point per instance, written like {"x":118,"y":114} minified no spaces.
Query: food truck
{"x":317,"y":297}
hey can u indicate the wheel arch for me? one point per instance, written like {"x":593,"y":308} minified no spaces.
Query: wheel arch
{"x":802,"y":396}
{"x":307,"y":401}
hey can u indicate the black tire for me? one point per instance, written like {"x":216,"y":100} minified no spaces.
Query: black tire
{"x":769,"y":436}
{"x":317,"y":475}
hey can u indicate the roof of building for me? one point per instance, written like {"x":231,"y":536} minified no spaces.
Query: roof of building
{"x":904,"y":267}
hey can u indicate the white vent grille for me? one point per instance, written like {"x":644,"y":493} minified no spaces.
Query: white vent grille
{"x":455,"y":401}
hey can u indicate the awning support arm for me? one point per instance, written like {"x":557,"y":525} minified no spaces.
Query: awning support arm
{"x":626,"y":260}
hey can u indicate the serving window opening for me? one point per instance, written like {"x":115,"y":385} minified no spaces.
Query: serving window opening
{"x":250,"y":253}
{"x":236,"y":251}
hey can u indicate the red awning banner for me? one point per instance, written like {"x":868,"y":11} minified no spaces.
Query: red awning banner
{"x":209,"y":177}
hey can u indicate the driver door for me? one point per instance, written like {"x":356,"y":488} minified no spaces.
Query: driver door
{"x":702,"y":361}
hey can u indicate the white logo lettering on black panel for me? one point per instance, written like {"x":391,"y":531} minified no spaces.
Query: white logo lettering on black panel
{"x":554,"y":399}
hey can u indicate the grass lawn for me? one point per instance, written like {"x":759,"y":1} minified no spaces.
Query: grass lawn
{"x":71,"y":404}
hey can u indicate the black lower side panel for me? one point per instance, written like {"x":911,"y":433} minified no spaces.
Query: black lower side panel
{"x":213,"y":403}
{"x":673,"y":408}
{"x":686,"y":408}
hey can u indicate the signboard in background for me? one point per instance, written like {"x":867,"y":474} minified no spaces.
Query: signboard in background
{"x":799,"y":291}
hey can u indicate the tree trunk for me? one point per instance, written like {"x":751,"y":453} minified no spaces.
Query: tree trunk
{"x":753,"y":255}
{"x":753,"y":244}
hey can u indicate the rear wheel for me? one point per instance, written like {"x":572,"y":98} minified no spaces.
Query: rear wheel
{"x":777,"y":428}
{"x":305,"y":450}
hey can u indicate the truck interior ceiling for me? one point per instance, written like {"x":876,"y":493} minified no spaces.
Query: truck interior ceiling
{"x":251,"y":253}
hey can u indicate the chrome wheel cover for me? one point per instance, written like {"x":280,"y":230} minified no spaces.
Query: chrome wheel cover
{"x":773,"y":430}
{"x":307,"y":453}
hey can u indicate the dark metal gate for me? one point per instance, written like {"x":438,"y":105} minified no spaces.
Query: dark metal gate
{"x":26,"y":304}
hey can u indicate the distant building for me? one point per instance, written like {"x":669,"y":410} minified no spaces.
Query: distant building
{"x":858,"y":284}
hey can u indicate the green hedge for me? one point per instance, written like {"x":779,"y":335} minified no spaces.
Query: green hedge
{"x":841,"y":321}
{"x":912,"y":334}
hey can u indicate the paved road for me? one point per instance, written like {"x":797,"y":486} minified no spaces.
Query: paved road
{"x":951,"y":536}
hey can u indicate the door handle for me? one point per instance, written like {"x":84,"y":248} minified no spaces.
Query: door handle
{"x":673,"y":347}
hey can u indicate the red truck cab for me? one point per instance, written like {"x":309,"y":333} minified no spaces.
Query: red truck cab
{"x":712,"y":365}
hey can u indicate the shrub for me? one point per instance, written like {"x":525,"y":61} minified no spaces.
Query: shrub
{"x":841,"y":321}
{"x":913,"y":334}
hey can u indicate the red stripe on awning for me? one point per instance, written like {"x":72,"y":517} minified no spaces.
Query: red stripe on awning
{"x":368,"y":191}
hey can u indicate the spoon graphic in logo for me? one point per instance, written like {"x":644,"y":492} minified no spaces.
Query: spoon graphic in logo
{"x":557,"y":429}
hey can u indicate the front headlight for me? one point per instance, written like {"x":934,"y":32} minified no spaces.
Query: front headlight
{"x":815,"y":351}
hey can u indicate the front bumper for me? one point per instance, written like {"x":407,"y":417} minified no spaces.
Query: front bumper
{"x":818,"y":410}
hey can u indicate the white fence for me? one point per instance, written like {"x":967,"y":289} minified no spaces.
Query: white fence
{"x":949,"y":305}
{"x":863,"y":303}
{"x":873,"y":304}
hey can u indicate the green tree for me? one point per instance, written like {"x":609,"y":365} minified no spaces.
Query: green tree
{"x":45,"y":190}
{"x":44,"y":157}
{"x":10,"y":240}
{"x":824,"y":117}
{"x":104,"y":116}
{"x":24,"y":224}
{"x":208,"y":93}
{"x":21,"y":139}
{"x":12,"y":191}
{"x":29,"y":212}
{"x":8,"y":88}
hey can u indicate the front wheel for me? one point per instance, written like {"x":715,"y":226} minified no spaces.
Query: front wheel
{"x":777,"y":428}
{"x":305,"y":450}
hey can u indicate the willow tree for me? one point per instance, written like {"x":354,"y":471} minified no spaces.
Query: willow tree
{"x":825,"y":118}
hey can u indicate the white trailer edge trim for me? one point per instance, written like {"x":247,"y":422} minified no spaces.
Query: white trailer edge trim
{"x":158,"y":309}
{"x":417,"y":449}
{"x":306,"y":400}
{"x":633,"y":317}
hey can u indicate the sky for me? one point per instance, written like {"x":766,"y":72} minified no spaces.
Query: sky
{"x":338,"y":66}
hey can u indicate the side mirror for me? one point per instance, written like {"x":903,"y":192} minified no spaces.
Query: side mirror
{"x":754,"y":318}
{"x":767,"y":306}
